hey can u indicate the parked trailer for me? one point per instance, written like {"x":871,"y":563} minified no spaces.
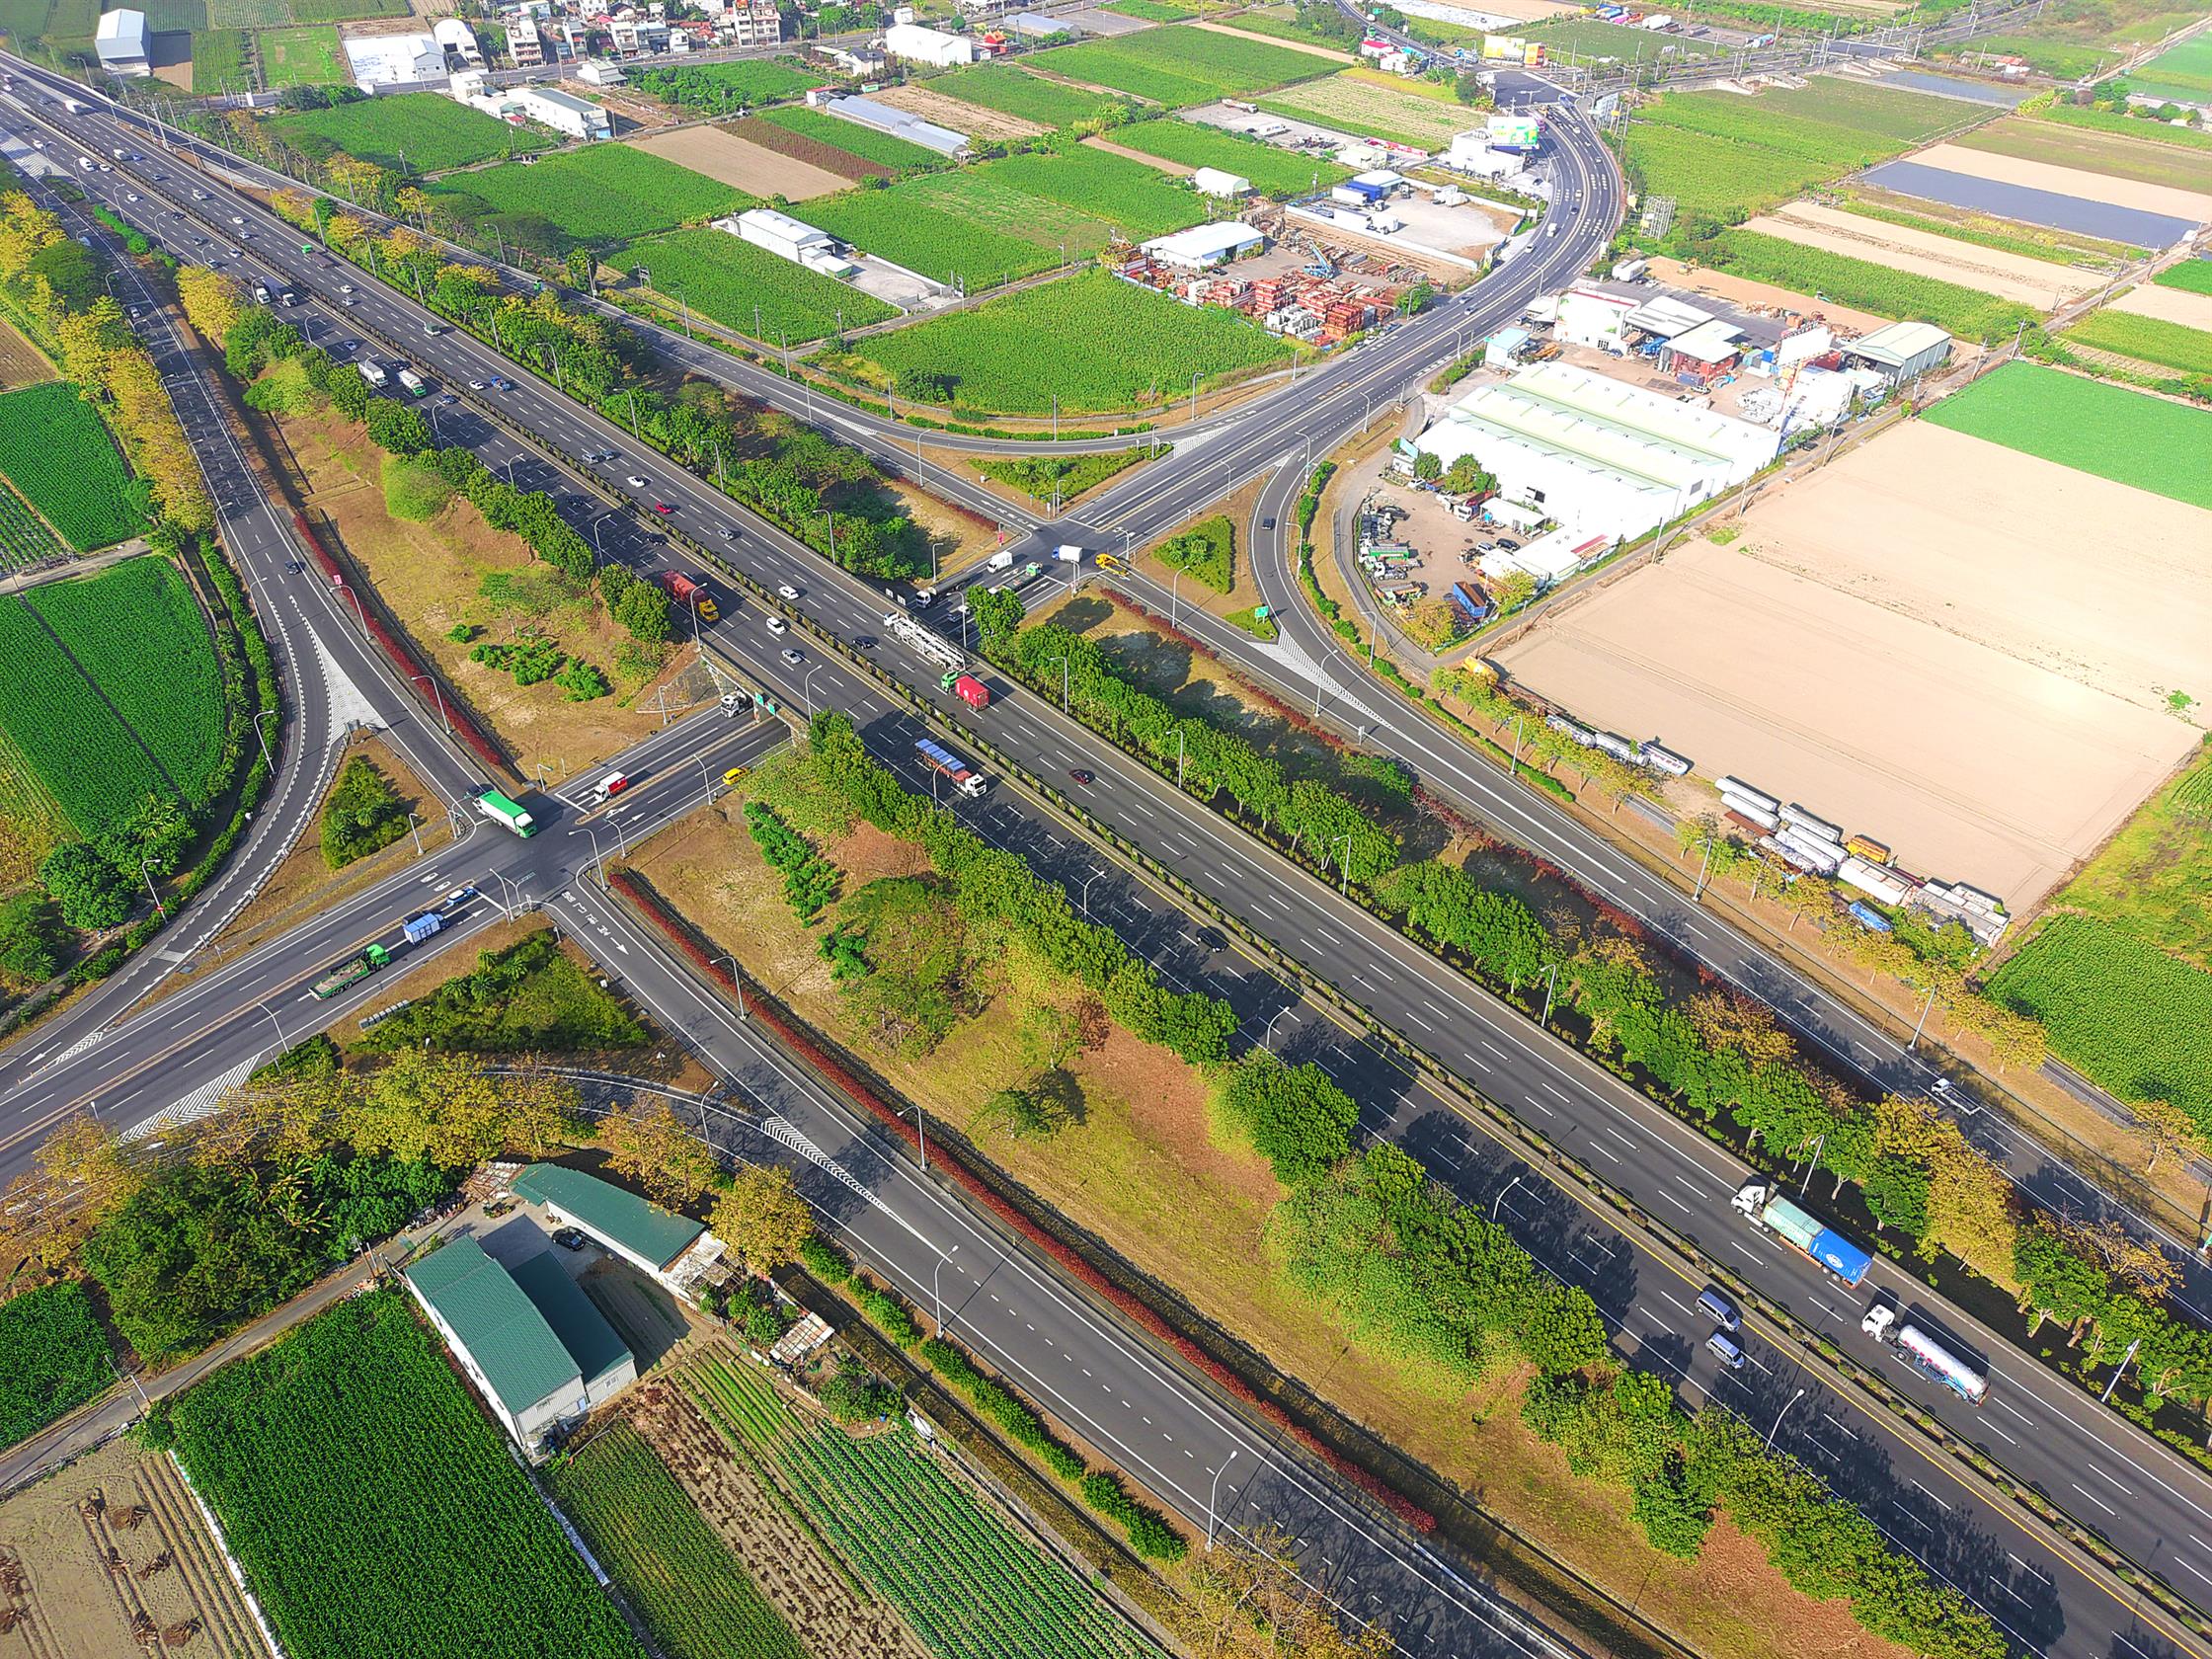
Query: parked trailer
{"x":949,"y":766}
{"x":1926,"y":1354}
{"x":1868,"y":917}
{"x":505,"y":812}
{"x":1772,"y":1211}
{"x":1737,"y":786}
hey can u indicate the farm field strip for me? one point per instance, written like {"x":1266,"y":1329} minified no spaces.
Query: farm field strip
{"x":56,"y":451}
{"x":25,"y":537}
{"x":305,"y":54}
{"x":1013,"y":91}
{"x":1349,"y":102}
{"x":2039,"y":193}
{"x":1869,"y":285}
{"x":2168,"y":303}
{"x":751,"y":290}
{"x":2032,"y":281}
{"x":70,"y":740}
{"x":2103,"y":154}
{"x":604,"y":192}
{"x":2127,"y":436}
{"x":432,"y":130}
{"x":1181,"y":65}
{"x":855,"y":139}
{"x":2148,"y":340}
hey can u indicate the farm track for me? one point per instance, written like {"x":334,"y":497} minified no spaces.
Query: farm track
{"x":199,"y":1558}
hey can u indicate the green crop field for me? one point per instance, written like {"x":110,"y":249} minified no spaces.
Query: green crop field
{"x":305,"y":55}
{"x":1179,"y":65}
{"x":1273,"y":172}
{"x":218,"y":61}
{"x":694,"y":1594}
{"x":2096,"y":152}
{"x":152,"y":701}
{"x":603,"y":192}
{"x":54,"y":450}
{"x":432,"y":130}
{"x":2182,"y":72}
{"x":1016,"y":91}
{"x":2150,"y":340}
{"x":727,"y":86}
{"x":1350,"y":102}
{"x":23,"y":21}
{"x":751,"y":290}
{"x":1138,"y":200}
{"x":1868,"y":287}
{"x":968,"y":1584}
{"x":2060,"y":59}
{"x":53,"y":1357}
{"x":2127,"y":126}
{"x":854,"y":140}
{"x":2109,"y":431}
{"x":138,"y":633}
{"x":248,"y":14}
{"x":942,"y":246}
{"x":2191,"y":276}
{"x":344,"y":10}
{"x":25,"y":537}
{"x":174,"y":17}
{"x":2150,"y":878}
{"x":374,"y":1507}
{"x":1726,"y":156}
{"x":2119,"y":1010}
{"x":1094,"y":341}
{"x":1612,"y":42}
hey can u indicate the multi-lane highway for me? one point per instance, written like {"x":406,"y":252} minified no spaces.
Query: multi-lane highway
{"x":2061,"y":1446}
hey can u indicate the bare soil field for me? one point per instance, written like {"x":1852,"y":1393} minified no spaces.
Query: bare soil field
{"x":109,"y":1558}
{"x":1817,"y":695}
{"x":2172,"y":305}
{"x":784,"y":1560}
{"x":1744,"y":292}
{"x":1306,"y":47}
{"x":728,"y":159}
{"x":1174,"y":169}
{"x":2193,"y":205}
{"x":958,"y":114}
{"x":19,"y":362}
{"x":2033,"y":282}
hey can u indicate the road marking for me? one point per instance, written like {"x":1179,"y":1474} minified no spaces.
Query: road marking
{"x":2093,"y":1497}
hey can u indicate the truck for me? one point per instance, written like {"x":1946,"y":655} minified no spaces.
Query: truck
{"x":261,"y":292}
{"x":421,"y":926}
{"x":1924,"y":1353}
{"x":373,"y":371}
{"x":352,"y":970}
{"x":933,"y":647}
{"x":689,"y":592}
{"x":967,"y":689}
{"x":413,"y":382}
{"x":949,"y":766}
{"x":1000,"y":561}
{"x":505,"y":812}
{"x":1772,"y":1211}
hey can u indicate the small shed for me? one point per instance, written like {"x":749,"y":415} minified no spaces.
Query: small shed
{"x":1505,"y":348}
{"x":1204,"y":244}
{"x":653,"y":1240}
{"x":1704,"y":352}
{"x":1213,"y":181}
{"x":1900,"y":352}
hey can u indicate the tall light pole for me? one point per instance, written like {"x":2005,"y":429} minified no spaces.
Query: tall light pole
{"x":1347,"y":861}
{"x":1087,"y":880}
{"x":1502,"y":1191}
{"x":1784,"y":1411}
{"x":438,"y":696}
{"x":936,"y":1293}
{"x":265,"y":713}
{"x":737,"y":983}
{"x":1213,"y":1486}
{"x":148,"y":872}
{"x":281,"y":1044}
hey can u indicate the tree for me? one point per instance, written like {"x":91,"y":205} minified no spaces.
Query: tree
{"x":1247,"y":1599}
{"x":1295,"y":1117}
{"x":30,"y":938}
{"x":2167,"y":1131}
{"x":1465,"y":477}
{"x":426,"y":1106}
{"x":997,"y":615}
{"x":651,"y":1145}
{"x":2139,"y":1265}
{"x":1415,"y":299}
{"x":394,"y":426}
{"x":1727,"y":1023}
{"x":85,"y":886}
{"x":1428,"y":468}
{"x":1514,"y":590}
{"x":762,"y":1217}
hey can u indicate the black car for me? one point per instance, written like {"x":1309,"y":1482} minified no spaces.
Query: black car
{"x":866,"y":641}
{"x":570,"y":1239}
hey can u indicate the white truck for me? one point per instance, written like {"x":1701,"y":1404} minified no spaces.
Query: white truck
{"x":1926,"y":1354}
{"x":1000,"y":561}
{"x":373,"y":371}
{"x":413,"y":382}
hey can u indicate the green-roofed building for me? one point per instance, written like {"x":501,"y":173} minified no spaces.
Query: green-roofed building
{"x":540,"y":1354}
{"x":653,"y":1240}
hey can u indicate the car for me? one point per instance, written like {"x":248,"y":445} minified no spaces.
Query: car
{"x":775,"y":624}
{"x":433,"y":330}
{"x":1267,"y":524}
{"x":792,"y":656}
{"x":200,"y":195}
{"x":1509,"y":544}
{"x":500,"y":383}
{"x":476,"y":385}
{"x":864,"y":642}
{"x":635,"y":482}
{"x":238,"y":218}
{"x":568,"y":1239}
{"x":787,"y":591}
{"x":447,"y":401}
{"x":734,"y":776}
{"x":663,"y":509}
{"x":344,"y":287}
{"x":1079,"y":775}
{"x":130,"y":196}
{"x":1485,"y":547}
{"x":725,"y":532}
{"x":349,"y":302}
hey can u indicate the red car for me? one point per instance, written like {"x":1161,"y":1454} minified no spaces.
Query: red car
{"x":663,"y":508}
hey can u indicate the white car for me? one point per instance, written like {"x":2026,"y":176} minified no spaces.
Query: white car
{"x":237,"y":218}
{"x":775,"y":624}
{"x":635,"y":482}
{"x":793,"y":657}
{"x":787,"y":591}
{"x":200,"y":195}
{"x":130,"y":196}
{"x":344,"y":287}
{"x":476,"y":385}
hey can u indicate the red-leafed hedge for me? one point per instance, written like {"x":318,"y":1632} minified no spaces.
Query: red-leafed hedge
{"x":1070,"y":1261}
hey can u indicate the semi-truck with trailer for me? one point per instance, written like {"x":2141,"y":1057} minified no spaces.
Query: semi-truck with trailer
{"x":1773,"y":1212}
{"x":373,"y":371}
{"x":967,"y":689}
{"x":692,"y":594}
{"x":505,"y":812}
{"x":950,"y":766}
{"x":1926,"y":1353}
{"x":931,"y":648}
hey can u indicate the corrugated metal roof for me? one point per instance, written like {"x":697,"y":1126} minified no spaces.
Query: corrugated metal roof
{"x":583,"y":1329}
{"x":645,"y":1229}
{"x":1899,"y":343}
{"x":502,"y":1330}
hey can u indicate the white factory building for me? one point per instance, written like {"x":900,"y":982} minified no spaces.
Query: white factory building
{"x":564,"y":112}
{"x":121,"y":43}
{"x":459,"y":41}
{"x":1599,"y":457}
{"x":1206,"y":245}
{"x":788,"y":238}
{"x":933,"y":47}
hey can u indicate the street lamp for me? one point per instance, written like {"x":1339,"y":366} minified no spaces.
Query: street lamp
{"x":1347,"y":861}
{"x":148,"y":872}
{"x":1087,"y":880}
{"x":278,"y":1023}
{"x":438,"y":696}
{"x":736,"y":981}
{"x":265,"y":713}
{"x":936,"y":1294}
{"x":597,"y":858}
{"x":1213,"y":1486}
{"x":1780,"y":1415}
{"x":1502,"y":1191}
{"x":806,"y":689}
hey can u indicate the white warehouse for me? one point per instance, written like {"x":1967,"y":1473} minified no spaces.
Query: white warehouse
{"x":1214,"y":181}
{"x":120,"y":41}
{"x":788,"y":238}
{"x":932,"y":47}
{"x":563,"y":111}
{"x":1207,"y":244}
{"x":1601,"y":457}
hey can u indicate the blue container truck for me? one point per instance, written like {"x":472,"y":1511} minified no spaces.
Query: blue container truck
{"x":1772,"y":1211}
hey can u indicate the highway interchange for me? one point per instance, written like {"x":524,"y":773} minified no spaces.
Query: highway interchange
{"x":210,"y":1031}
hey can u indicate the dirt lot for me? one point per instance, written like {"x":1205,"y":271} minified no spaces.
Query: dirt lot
{"x":958,"y":114}
{"x":430,"y":575}
{"x":19,"y":362}
{"x":1820,"y":697}
{"x":1306,"y":47}
{"x":2193,"y":205}
{"x":112,"y":1549}
{"x":2173,"y":305}
{"x":1745,"y":292}
{"x":1175,"y":169}
{"x":728,"y":159}
{"x":2033,"y":282}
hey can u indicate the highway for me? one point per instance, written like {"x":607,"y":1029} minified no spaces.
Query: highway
{"x":1997,"y":1560}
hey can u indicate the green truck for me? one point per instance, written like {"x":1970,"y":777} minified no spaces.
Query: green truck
{"x":509,"y":813}
{"x":352,"y":970}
